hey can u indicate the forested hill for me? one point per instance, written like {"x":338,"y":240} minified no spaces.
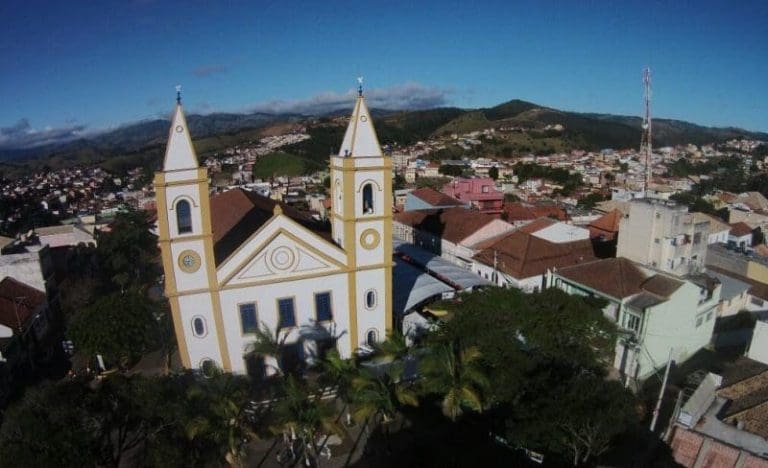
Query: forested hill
{"x":142,"y":143}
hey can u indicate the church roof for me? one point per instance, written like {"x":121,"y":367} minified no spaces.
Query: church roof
{"x":237,"y":214}
{"x":18,"y":302}
{"x":360,"y":138}
{"x":179,"y":154}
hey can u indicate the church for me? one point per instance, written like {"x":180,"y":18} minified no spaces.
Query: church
{"x":237,"y":262}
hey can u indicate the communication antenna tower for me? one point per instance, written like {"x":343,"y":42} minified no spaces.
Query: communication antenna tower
{"x":646,"y":146}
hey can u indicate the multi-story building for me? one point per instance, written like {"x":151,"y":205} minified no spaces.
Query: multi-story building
{"x":480,"y":192}
{"x":660,"y":316}
{"x":238,"y":262}
{"x":664,"y":236}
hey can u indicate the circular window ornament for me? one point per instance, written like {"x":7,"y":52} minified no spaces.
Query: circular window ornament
{"x":179,"y":129}
{"x":363,"y":118}
{"x":370,"y":239}
{"x":282,"y":258}
{"x":189,"y":261}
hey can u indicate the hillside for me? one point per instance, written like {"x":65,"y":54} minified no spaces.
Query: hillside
{"x":525,"y":126}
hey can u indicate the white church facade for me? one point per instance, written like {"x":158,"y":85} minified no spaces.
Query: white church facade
{"x":238,"y":261}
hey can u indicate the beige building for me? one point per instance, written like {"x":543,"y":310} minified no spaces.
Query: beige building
{"x":664,"y":236}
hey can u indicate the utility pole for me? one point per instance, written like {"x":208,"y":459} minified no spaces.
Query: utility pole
{"x":661,"y":392}
{"x":645,"y":139}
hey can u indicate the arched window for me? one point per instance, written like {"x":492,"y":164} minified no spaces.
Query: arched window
{"x":367,"y":199}
{"x":198,"y":326}
{"x":370,"y":299}
{"x":371,"y":338}
{"x":183,"y":217}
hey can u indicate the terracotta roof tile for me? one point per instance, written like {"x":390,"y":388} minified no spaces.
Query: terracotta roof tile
{"x":537,"y":225}
{"x":522,"y":255}
{"x":17,"y":297}
{"x":740,"y":229}
{"x":606,"y":226}
{"x":435,"y":198}
{"x":616,"y":277}
{"x":661,"y":285}
{"x":451,"y":224}
{"x":237,"y":214}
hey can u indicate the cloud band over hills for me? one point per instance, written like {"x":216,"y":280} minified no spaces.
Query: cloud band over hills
{"x":405,"y":96}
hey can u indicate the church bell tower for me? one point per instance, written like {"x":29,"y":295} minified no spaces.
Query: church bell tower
{"x":361,"y":217}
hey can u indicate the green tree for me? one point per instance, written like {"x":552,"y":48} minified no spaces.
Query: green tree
{"x":576,"y":418}
{"x":493,"y":173}
{"x":453,"y":373}
{"x":119,"y":326}
{"x":301,"y":414}
{"x":451,"y":170}
{"x":589,"y":201}
{"x":268,"y":344}
{"x":128,"y":252}
{"x":46,"y":428}
{"x":339,"y":373}
{"x":379,"y":394}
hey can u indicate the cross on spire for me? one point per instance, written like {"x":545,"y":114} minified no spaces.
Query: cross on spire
{"x":178,"y":94}
{"x":360,"y":86}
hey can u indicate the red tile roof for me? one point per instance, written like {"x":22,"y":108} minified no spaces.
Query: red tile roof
{"x":616,"y":277}
{"x":521,"y":212}
{"x":18,"y":302}
{"x":522,"y":255}
{"x":606,"y":226}
{"x":237,"y":214}
{"x":740,"y":229}
{"x":435,"y":198}
{"x":537,"y":225}
{"x":451,"y":224}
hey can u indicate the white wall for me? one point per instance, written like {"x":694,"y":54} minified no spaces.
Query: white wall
{"x":266,"y":296}
{"x":758,"y":348}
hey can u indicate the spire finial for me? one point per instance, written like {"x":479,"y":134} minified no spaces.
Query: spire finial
{"x":360,"y":86}
{"x":178,"y":94}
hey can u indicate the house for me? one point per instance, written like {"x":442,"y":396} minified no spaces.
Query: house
{"x":734,"y":295}
{"x":430,"y":199}
{"x":660,"y":316}
{"x":555,"y":231}
{"x":479,"y":191}
{"x":758,"y":347}
{"x":237,"y":262}
{"x":745,"y":264}
{"x":606,"y":227}
{"x":724,"y":423}
{"x":452,"y":233}
{"x":740,"y":236}
{"x":662,"y":235}
{"x":718,"y":229}
{"x":24,"y":329}
{"x":521,"y":260}
{"x":64,"y":235}
{"x":519,"y":213}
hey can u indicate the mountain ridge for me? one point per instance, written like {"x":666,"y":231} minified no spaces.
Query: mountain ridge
{"x":213,"y":132}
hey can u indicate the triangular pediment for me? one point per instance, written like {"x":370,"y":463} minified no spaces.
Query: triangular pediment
{"x":283,"y":250}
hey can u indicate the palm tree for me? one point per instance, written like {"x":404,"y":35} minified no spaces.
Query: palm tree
{"x":301,"y":415}
{"x":394,"y":348}
{"x":340,"y":373}
{"x":268,"y":344}
{"x":454,"y":373}
{"x":219,"y":416}
{"x":380,"y":396}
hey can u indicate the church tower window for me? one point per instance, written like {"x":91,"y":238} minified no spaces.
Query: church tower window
{"x":367,"y":198}
{"x":183,"y":217}
{"x":371,"y":338}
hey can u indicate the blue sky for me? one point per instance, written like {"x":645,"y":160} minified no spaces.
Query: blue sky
{"x":94,"y":65}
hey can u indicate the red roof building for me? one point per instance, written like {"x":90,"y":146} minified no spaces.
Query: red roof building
{"x":480,"y":192}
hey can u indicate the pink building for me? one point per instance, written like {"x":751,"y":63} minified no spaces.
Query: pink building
{"x":480,"y":192}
